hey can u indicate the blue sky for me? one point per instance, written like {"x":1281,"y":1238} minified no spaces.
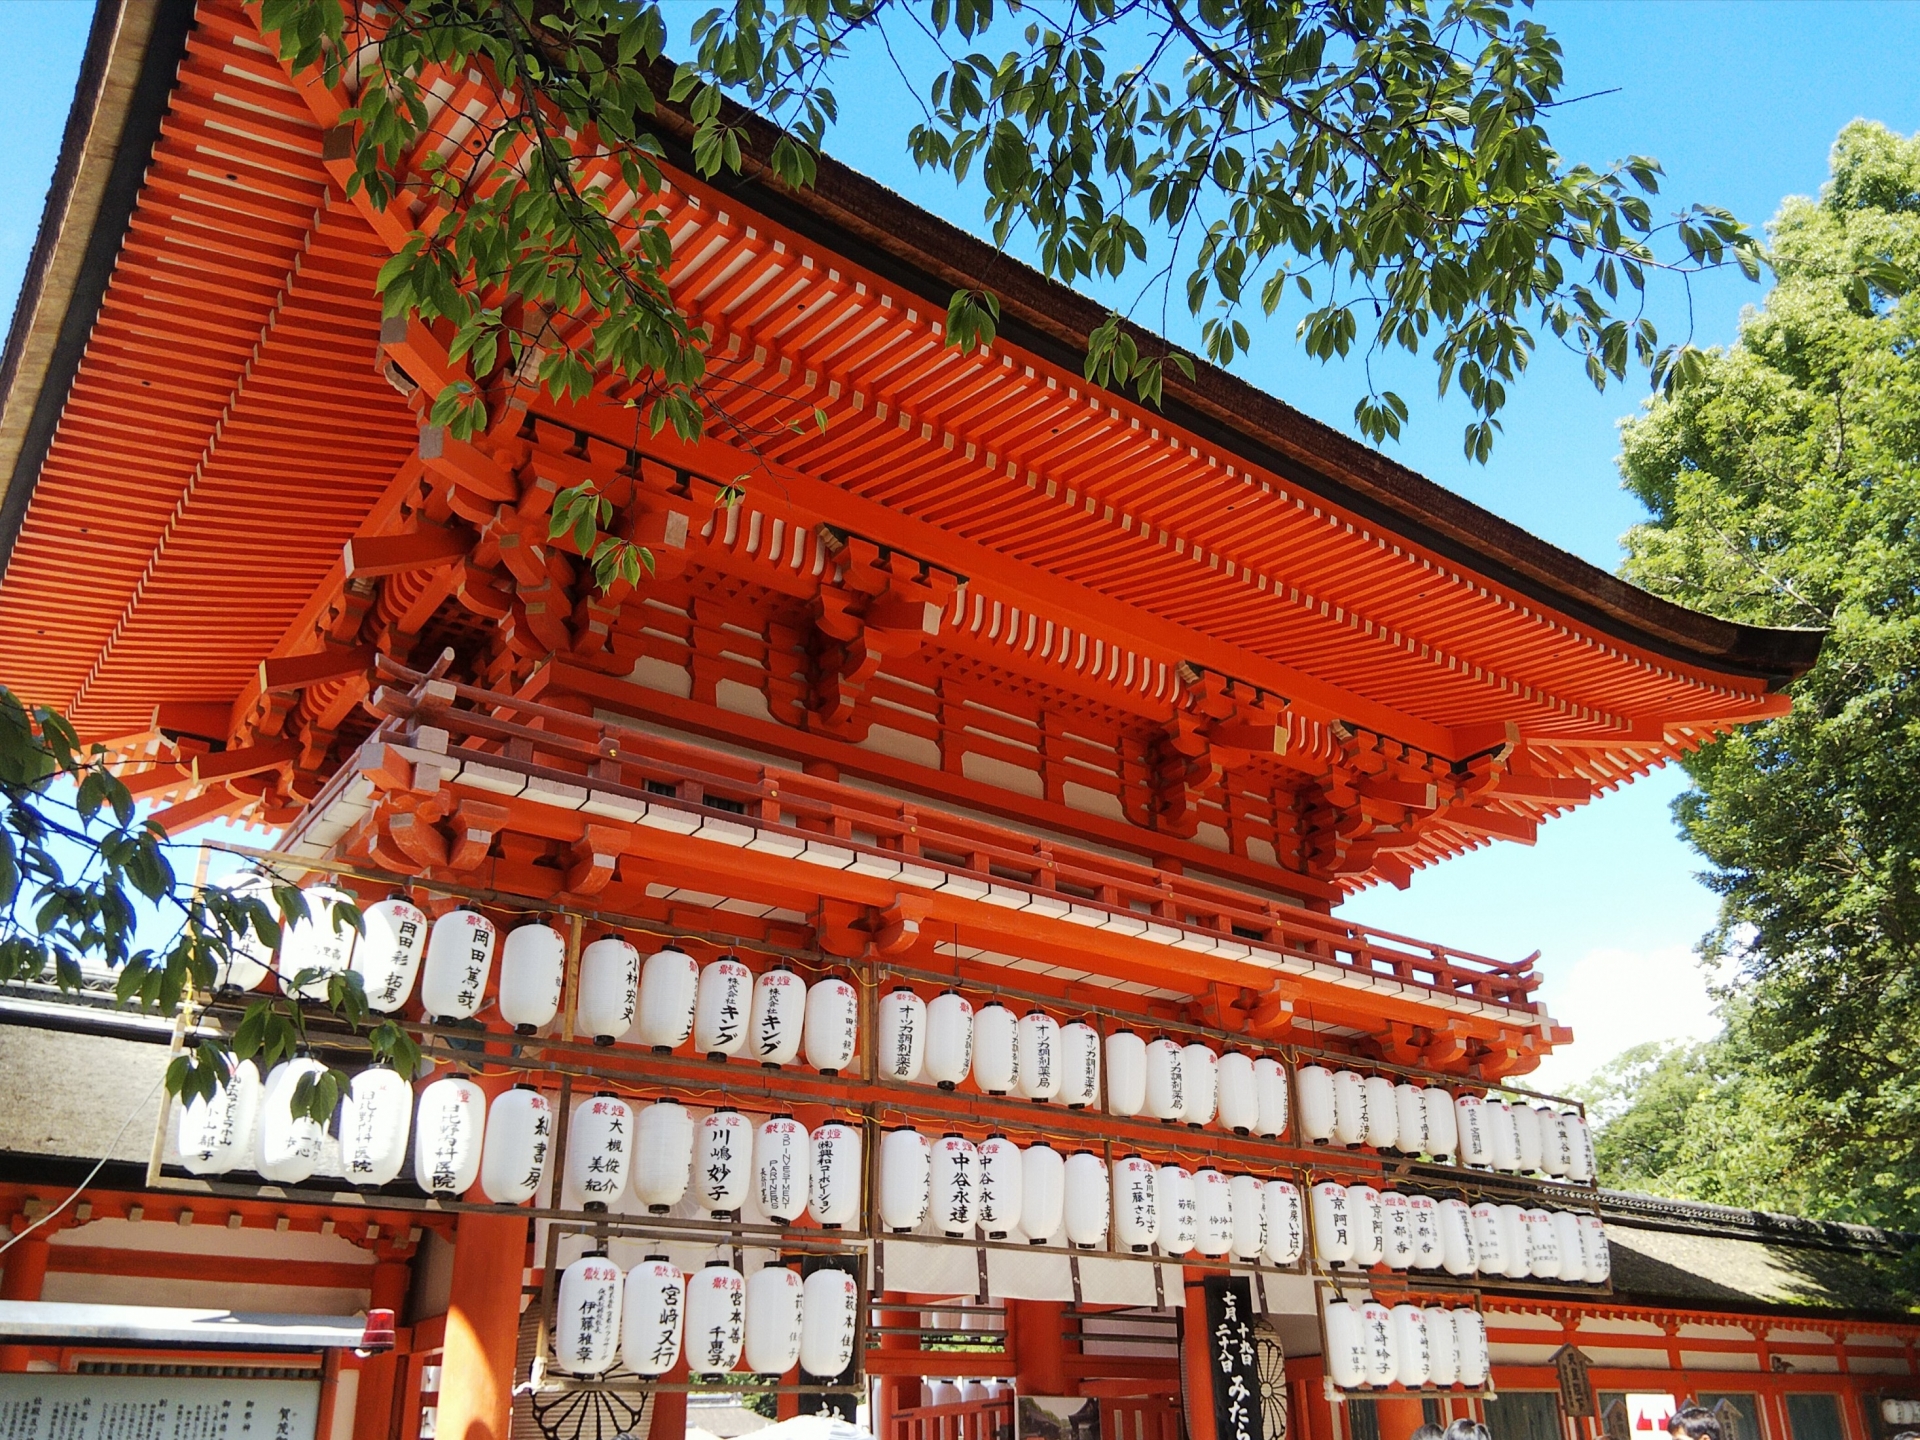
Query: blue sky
{"x":1740,"y":102}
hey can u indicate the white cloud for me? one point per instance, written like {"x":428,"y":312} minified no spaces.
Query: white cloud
{"x":1617,"y":998}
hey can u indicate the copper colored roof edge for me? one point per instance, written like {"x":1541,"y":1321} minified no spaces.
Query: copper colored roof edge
{"x":895,"y":237}
{"x":126,"y":77}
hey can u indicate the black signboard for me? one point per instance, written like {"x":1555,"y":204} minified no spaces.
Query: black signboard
{"x":1234,"y":1357}
{"x":1576,"y":1389}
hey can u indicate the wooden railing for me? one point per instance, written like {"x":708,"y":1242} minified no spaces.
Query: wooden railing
{"x":495,"y":741}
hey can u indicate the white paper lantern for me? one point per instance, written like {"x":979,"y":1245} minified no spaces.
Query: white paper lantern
{"x":1580,"y":1150}
{"x":247,"y":959}
{"x":833,"y":1189}
{"x":1126,"y":1073}
{"x":1333,"y":1223}
{"x":1412,"y":1355}
{"x":1423,"y":1218}
{"x":586,"y":1330}
{"x":1079,"y":1065}
{"x":533,"y":966}
{"x":829,"y":1322}
{"x":599,"y":1149}
{"x":1001,"y":1191}
{"x":1178,"y":1210}
{"x":1383,"y":1111}
{"x":1396,"y":1225}
{"x":1503,"y":1135}
{"x":1513,"y":1240}
{"x":781,"y":1167}
{"x":723,"y":1162}
{"x":900,"y":1033}
{"x":1136,"y":1206}
{"x":905,"y":1164}
{"x":1489,"y":1240}
{"x":609,"y":990}
{"x":1376,"y":1323}
{"x":1556,"y":1144}
{"x":723,"y":1004}
{"x":1286,"y":1229}
{"x":1470,"y":1336}
{"x":1039,"y":1041}
{"x":322,"y":942}
{"x":1166,"y":1081}
{"x":954,"y":1184}
{"x":779,"y":1018}
{"x":1349,"y":1108}
{"x":653,"y":1316}
{"x":387,"y":955}
{"x":217,"y":1135}
{"x":1085,"y":1205}
{"x":1236,"y":1095}
{"x":1573,"y":1254}
{"x":1199,"y":1084}
{"x":1410,"y":1119}
{"x":1458,"y":1253}
{"x":949,"y":1028}
{"x":1249,"y":1217}
{"x":1526,"y":1129}
{"x":1346,"y":1345}
{"x":453,"y":981}
{"x":773,"y":1320}
{"x":1470,"y":1119}
{"x":1043,"y":1191}
{"x":1443,"y":1131}
{"x":1369,"y":1226}
{"x":514,"y":1159}
{"x":1270,"y":1097}
{"x":1443,"y":1348}
{"x":669,"y":989}
{"x":996,"y":1049}
{"x":288,"y":1149}
{"x":716,"y":1319}
{"x":1594,"y":1251}
{"x":374,"y":1124}
{"x":831,"y":1024}
{"x":663,"y":1155}
{"x":1212,"y":1212}
{"x":1543,"y":1245}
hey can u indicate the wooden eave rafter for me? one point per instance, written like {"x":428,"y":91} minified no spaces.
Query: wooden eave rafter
{"x":1103,"y":546}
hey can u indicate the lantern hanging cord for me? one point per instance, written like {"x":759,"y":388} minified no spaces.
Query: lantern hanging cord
{"x":99,"y":1165}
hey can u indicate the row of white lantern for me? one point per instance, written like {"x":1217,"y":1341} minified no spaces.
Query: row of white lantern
{"x":1361,"y":1226}
{"x":772,"y":1318}
{"x":1346,"y":1108}
{"x":457,"y":1137}
{"x":723,"y":1159}
{"x":1000,"y":1187}
{"x":1370,"y":1344}
{"x":946,"y":1040}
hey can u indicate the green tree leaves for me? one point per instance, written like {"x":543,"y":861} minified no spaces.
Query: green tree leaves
{"x":1387,"y":162}
{"x":1783,"y":476}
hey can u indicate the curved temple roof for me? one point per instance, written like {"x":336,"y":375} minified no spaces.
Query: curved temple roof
{"x":200,"y":413}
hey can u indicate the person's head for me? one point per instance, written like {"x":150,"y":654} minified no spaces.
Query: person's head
{"x":1693,"y":1422}
{"x":1466,"y":1430}
{"x":1427,"y":1432}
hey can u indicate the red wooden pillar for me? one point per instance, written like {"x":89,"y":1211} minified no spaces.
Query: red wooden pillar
{"x":26,"y":1272}
{"x":373,"y":1407}
{"x":896,"y":1392}
{"x":483,"y":1326}
{"x":1036,"y":1333}
{"x":1196,"y":1364}
{"x":1399,"y":1416}
{"x":669,"y":1420}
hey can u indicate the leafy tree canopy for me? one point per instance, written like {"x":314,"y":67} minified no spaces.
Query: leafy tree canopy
{"x":1381,"y":170}
{"x":1784,"y":483}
